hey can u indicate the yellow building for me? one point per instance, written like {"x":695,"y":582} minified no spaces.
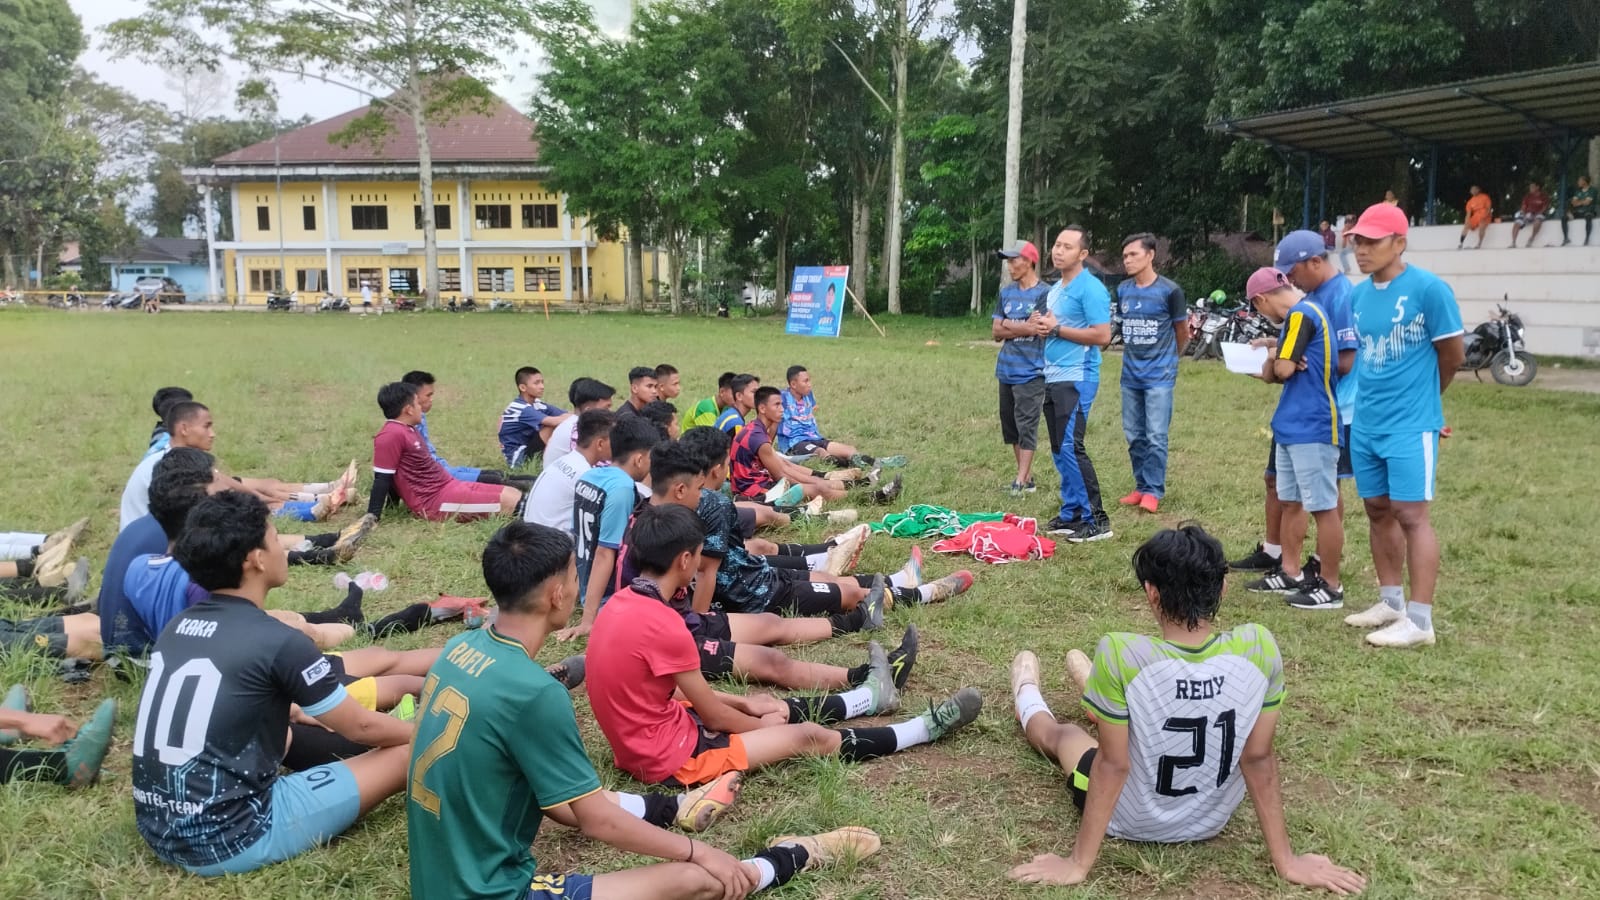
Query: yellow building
{"x":314,"y":216}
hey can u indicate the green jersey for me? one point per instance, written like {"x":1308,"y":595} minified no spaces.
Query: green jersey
{"x":1189,"y":711}
{"x":1590,"y":209}
{"x":496,"y":743}
{"x":704,"y":413}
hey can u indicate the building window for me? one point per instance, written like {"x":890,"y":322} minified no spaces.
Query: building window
{"x":497,"y":280}
{"x":541,"y":278}
{"x":369,"y":218}
{"x":578,"y":282}
{"x":539,"y":215}
{"x":263,"y":280}
{"x":355,"y":278}
{"x":449,"y":279}
{"x":403,"y":280}
{"x":311,"y":280}
{"x":308,"y":216}
{"x":263,"y":218}
{"x":441,"y":216}
{"x":492,"y":215}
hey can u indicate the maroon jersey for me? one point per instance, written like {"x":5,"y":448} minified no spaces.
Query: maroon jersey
{"x":398,"y":450}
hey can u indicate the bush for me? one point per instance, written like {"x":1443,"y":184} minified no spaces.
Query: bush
{"x":1211,"y":270}
{"x":951,"y":300}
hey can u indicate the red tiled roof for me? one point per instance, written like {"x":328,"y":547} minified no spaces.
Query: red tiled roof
{"x":501,"y":135}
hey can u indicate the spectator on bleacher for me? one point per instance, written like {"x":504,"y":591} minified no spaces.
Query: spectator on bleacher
{"x":1535,"y":206}
{"x":1581,"y":206}
{"x":1480,"y":211}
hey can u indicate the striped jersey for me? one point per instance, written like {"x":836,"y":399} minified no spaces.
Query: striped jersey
{"x":1189,"y":711}
{"x":1308,"y":409}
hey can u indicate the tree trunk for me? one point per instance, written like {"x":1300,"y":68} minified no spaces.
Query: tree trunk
{"x":38,"y":267}
{"x":635,"y":279}
{"x":860,"y":224}
{"x":675,"y":251}
{"x":780,"y":294}
{"x":1019,"y":49}
{"x":430,"y":230}
{"x":891,"y":248}
{"x":977,"y":275}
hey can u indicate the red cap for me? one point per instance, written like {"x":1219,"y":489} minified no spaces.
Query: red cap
{"x":1024,"y":249}
{"x":1381,"y":220}
{"x":1264,"y":280}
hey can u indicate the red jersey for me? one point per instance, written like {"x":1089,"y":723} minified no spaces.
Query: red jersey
{"x":398,"y":450}
{"x":637,"y":646}
{"x":746,"y":470}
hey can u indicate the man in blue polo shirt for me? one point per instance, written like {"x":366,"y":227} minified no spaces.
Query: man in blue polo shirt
{"x":1411,"y":343}
{"x":1020,"y":366}
{"x":1155,"y":327}
{"x":1078,"y":317}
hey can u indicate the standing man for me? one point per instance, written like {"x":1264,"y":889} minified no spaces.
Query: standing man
{"x":1581,"y":206}
{"x":1155,"y":328}
{"x":1480,"y":211}
{"x":642,"y":389}
{"x":1535,"y":205}
{"x":1020,"y":365}
{"x":1410,"y":332}
{"x":1079,"y":321}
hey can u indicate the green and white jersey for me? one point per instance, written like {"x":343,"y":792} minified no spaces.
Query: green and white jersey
{"x":1189,"y":711}
{"x":496,"y":743}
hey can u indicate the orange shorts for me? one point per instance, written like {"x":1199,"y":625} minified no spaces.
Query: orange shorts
{"x":1476,"y":220}
{"x":715,"y":754}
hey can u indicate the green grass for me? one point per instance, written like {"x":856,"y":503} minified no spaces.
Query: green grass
{"x":1469,"y":770}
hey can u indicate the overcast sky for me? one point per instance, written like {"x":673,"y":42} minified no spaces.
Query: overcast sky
{"x":295,"y":98}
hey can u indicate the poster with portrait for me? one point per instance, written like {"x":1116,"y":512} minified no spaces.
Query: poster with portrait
{"x":817,"y":300}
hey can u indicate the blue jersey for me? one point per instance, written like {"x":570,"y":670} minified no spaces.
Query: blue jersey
{"x":157,"y":589}
{"x":1021,"y":359}
{"x":119,"y":624}
{"x":1333,"y":296}
{"x":519,"y":428}
{"x":730,"y":420}
{"x":1149,"y":341}
{"x":1308,"y":412}
{"x":1397,"y":324}
{"x":1082,"y":302}
{"x":799,"y":420}
{"x":422,"y":429}
{"x":602,"y":504}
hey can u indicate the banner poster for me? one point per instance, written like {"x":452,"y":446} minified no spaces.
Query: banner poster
{"x":817,"y":300}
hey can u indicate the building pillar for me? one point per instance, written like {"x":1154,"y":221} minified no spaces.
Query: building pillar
{"x":212,"y":290}
{"x":566,"y":275}
{"x":465,"y":283}
{"x":584,"y":262}
{"x":238,"y":265}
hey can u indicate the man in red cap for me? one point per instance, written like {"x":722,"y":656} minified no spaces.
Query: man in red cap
{"x":1410,"y":332}
{"x":1020,"y":366}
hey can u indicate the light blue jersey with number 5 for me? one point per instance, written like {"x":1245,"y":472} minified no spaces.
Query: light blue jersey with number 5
{"x":1397,"y":324}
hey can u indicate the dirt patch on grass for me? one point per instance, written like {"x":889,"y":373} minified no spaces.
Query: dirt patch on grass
{"x":1578,"y":787}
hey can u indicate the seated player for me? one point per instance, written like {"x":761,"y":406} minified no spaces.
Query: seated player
{"x":550,"y":502}
{"x":707,"y":411}
{"x":669,"y":384}
{"x":75,"y":636}
{"x":664,"y":416}
{"x":642,"y":658}
{"x":758,"y":465}
{"x":160,"y":437}
{"x":425,"y":388}
{"x":207,"y":794}
{"x":584,"y":394}
{"x":190,"y":425}
{"x":742,"y":391}
{"x":400,"y":461}
{"x":39,"y":569}
{"x":797,"y":432}
{"x":642,"y":389}
{"x":603,"y":501}
{"x":528,"y":421}
{"x":1186,"y":723}
{"x":80,"y":751}
{"x":478,"y":787}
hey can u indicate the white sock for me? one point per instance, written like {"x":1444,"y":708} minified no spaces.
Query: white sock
{"x":910,"y":733}
{"x":901,"y":579}
{"x":1273,"y":550}
{"x":632,"y":804}
{"x":926,"y":592}
{"x":1393,"y":595}
{"x":321,"y":487}
{"x":1420,"y":614}
{"x":768,"y":873}
{"x":303,"y":496}
{"x":816,"y":561}
{"x":857,"y":702}
{"x":1029,"y":701}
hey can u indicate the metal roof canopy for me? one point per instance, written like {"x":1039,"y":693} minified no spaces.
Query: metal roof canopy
{"x":1559,"y":104}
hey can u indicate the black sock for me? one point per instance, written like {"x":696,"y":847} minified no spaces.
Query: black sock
{"x":348,"y":610}
{"x":848,"y":623}
{"x":803,"y":549}
{"x":786,"y":860}
{"x":660,"y":809}
{"x":32,"y":765}
{"x":412,"y":618}
{"x":905,"y":595}
{"x":18,"y":591}
{"x":861,"y":744}
{"x":25,"y":568}
{"x":816,"y":709}
{"x":858,"y":675}
{"x":490,"y":476}
{"x":316,"y":556}
{"x":523,"y":483}
{"x":324,"y":540}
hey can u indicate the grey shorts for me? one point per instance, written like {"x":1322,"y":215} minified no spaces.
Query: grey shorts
{"x":1308,"y":475}
{"x":47,"y":635}
{"x":1020,"y":407}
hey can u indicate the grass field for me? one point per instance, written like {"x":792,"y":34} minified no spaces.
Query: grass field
{"x":1468,"y":770}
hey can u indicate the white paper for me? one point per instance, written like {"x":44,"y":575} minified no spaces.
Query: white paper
{"x":1243,"y":358}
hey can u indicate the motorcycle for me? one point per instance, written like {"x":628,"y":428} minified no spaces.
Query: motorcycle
{"x":1498,"y":345}
{"x":466,"y":305}
{"x":330,"y":303}
{"x":496,"y":304}
{"x":403,"y":303}
{"x":282,"y":301}
{"x":1209,"y":326}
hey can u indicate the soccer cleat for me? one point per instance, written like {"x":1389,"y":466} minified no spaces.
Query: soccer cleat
{"x":1375,"y":616}
{"x":777,"y":491}
{"x":62,"y":572}
{"x":700,"y":808}
{"x":569,"y":671}
{"x":880,"y":681}
{"x":953,"y":585}
{"x":888,"y":492}
{"x":327,"y":504}
{"x":904,"y":657}
{"x":850,"y":842}
{"x":1132,"y":499}
{"x":1090,"y":531}
{"x":65,"y":536}
{"x":814,"y":508}
{"x":873,"y":605}
{"x":348,"y":478}
{"x":351,"y":536}
{"x":912,"y":570}
{"x":1024,"y":671}
{"x":1079,"y":667}
{"x":957,"y":710}
{"x":1258,"y":561}
{"x":448,"y":607}
{"x":1402,"y":633}
{"x":846,"y":550}
{"x":892,"y":462}
{"x":1275,"y":582}
{"x":406,"y":709}
{"x":16,"y":700}
{"x":87,"y":749}
{"x":1316,"y":594}
{"x":862,"y":461}
{"x":1150,"y":503}
{"x":1064,"y":527}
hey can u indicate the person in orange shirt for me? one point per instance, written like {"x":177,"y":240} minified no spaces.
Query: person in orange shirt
{"x":1479,"y":212}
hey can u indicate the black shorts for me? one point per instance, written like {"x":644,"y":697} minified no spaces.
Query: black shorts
{"x":800,"y":596}
{"x":747,"y":522}
{"x":1078,"y":778}
{"x":713,"y":638}
{"x":1345,"y":469}
{"x":1020,"y":408}
{"x":809,"y":446}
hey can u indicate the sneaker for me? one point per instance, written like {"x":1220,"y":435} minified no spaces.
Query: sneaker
{"x":59,"y":569}
{"x":813,"y":508}
{"x":1401,"y":633}
{"x":347,"y":479}
{"x":1090,"y":532}
{"x":888,"y":492}
{"x":327,"y":504}
{"x":1067,"y":527}
{"x":873,"y":605}
{"x":1015,"y":489}
{"x":87,"y":749}
{"x":1258,"y":561}
{"x":846,"y":550}
{"x":959,"y":709}
{"x":950,"y":586}
{"x":1316,"y":594}
{"x":892,"y":462}
{"x":794,"y":496}
{"x":1132,"y":499}
{"x":845,"y":475}
{"x":16,"y":700}
{"x":776,"y":491}
{"x":1024,"y":671}
{"x":569,"y":671}
{"x":851,"y":842}
{"x":65,"y":536}
{"x":1275,"y":582}
{"x":1375,"y":616}
{"x":1150,"y":503}
{"x":1312,"y":568}
{"x":912,"y":570}
{"x":351,"y":536}
{"x":700,"y":808}
{"x":904,"y":657}
{"x":1079,"y":668}
{"x":880,"y":681}
{"x":406,"y":709}
{"x":863,"y":461}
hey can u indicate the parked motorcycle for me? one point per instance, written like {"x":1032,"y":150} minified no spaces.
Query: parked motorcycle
{"x":403,"y":303}
{"x":1208,"y":324}
{"x":330,"y":303}
{"x":496,"y":304}
{"x":281,"y":301}
{"x":1498,"y":346}
{"x":465,"y":305}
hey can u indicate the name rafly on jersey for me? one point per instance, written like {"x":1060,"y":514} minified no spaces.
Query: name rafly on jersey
{"x":471,"y":661}
{"x":200,"y":628}
{"x":316,"y":671}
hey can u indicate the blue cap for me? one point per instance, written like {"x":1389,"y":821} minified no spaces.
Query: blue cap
{"x":1297,"y":247}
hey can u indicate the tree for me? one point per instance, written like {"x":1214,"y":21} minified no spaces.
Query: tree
{"x":415,"y":59}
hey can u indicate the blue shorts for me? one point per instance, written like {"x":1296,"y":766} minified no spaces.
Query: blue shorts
{"x":560,"y":887}
{"x":1397,"y":466}
{"x":465,"y":473}
{"x":309,"y":808}
{"x":1307,"y":475}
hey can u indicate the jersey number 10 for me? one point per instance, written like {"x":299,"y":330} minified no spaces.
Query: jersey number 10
{"x":202,"y":694}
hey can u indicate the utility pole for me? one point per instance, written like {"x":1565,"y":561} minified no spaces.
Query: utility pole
{"x":1019,"y":49}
